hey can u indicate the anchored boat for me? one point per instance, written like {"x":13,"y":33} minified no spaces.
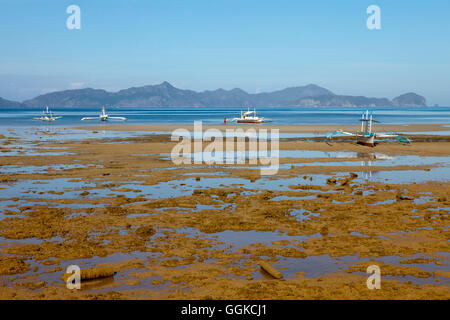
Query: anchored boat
{"x":103,"y":116}
{"x":47,"y":116}
{"x":248,"y":117}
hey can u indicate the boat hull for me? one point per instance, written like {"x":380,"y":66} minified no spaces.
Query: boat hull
{"x":248,"y":121}
{"x":46,"y":119}
{"x":366,"y":140}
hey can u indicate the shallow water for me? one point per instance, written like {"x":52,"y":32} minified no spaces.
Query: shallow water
{"x":279,"y":115}
{"x":58,"y":134}
{"x":241,"y":239}
{"x":315,"y":266}
{"x":14,"y":169}
{"x":361,"y":159}
{"x":39,"y":189}
{"x":439,"y":174}
{"x":69,"y":189}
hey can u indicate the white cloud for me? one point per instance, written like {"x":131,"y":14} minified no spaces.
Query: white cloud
{"x":48,"y":90}
{"x":76,"y":85}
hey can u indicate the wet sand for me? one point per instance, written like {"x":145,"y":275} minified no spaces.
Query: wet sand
{"x":200,"y":232}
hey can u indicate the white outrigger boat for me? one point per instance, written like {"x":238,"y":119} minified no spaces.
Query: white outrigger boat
{"x":248,"y":117}
{"x":47,"y":116}
{"x":366,"y":137}
{"x":103,"y":117}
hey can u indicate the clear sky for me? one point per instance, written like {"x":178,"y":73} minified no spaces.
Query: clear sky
{"x":257,"y":45}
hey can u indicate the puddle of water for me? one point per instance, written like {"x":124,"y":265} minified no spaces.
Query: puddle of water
{"x":32,"y":152}
{"x":439,"y":209}
{"x":383,"y":202}
{"x":246,"y":155}
{"x":339,"y":202}
{"x":359,"y":234}
{"x":395,"y":260}
{"x":204,"y":174}
{"x":316,"y":266}
{"x":311,"y":266}
{"x":138,"y":215}
{"x":422,"y":200}
{"x":13,"y":169}
{"x":185,"y":187}
{"x":392,"y":162}
{"x":406,"y":176}
{"x":31,"y":240}
{"x":201,"y":207}
{"x":39,"y":189}
{"x":12,"y":205}
{"x":79,"y":205}
{"x":293,"y":198}
{"x":15,"y":206}
{"x":379,"y":159}
{"x":55,"y":134}
{"x":303,"y":215}
{"x":29,"y":140}
{"x":250,"y":134}
{"x":241,"y":239}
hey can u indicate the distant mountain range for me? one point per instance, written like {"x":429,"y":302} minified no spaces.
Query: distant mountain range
{"x":9,"y":104}
{"x":166,"y":95}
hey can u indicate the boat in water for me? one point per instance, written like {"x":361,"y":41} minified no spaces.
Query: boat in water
{"x":103,"y":116}
{"x":47,"y":115}
{"x":248,"y":117}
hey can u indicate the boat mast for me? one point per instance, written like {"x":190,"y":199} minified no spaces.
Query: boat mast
{"x":362,"y":122}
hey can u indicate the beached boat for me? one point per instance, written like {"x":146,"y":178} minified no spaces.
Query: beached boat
{"x":103,"y":116}
{"x":365,"y":136}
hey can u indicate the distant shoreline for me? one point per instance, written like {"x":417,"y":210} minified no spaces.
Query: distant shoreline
{"x":224,"y":107}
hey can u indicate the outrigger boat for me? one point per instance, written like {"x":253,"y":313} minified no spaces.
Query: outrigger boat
{"x":103,"y":117}
{"x":47,"y":116}
{"x":248,"y":117}
{"x":365,"y":136}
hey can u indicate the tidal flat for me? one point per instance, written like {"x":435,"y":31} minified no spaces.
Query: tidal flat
{"x":112,"y":197}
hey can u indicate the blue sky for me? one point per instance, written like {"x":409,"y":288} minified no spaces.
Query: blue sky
{"x":257,"y":45}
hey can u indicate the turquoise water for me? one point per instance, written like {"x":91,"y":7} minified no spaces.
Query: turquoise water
{"x":279,"y":115}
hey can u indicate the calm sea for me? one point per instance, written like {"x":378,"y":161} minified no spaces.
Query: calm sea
{"x":279,"y":115}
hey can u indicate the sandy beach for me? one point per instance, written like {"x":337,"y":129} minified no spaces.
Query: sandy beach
{"x":216,"y":158}
{"x":201,"y":231}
